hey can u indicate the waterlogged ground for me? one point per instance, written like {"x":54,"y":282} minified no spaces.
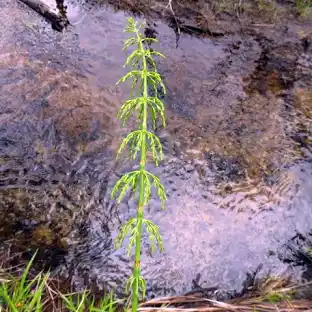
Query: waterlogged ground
{"x":237,"y":163}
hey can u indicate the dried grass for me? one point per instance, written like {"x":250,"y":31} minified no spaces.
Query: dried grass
{"x":178,"y":304}
{"x":273,"y":294}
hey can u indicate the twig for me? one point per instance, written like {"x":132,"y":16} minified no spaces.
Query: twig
{"x":52,"y":293}
{"x":169,"y":6}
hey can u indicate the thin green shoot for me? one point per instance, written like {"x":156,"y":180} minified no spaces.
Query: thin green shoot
{"x":82,"y":302}
{"x":144,"y":104}
{"x":24,"y":294}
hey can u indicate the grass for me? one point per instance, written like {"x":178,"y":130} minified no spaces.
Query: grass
{"x":271,"y":294}
{"x":27,"y":292}
{"x":34,"y":295}
{"x":21,"y":294}
{"x":82,"y":302}
{"x":229,"y":6}
{"x":267,"y":9}
{"x":276,"y":290}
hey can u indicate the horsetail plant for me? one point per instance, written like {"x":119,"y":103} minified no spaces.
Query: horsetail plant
{"x":144,"y":102}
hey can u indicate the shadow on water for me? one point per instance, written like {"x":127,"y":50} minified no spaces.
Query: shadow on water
{"x":237,"y":167}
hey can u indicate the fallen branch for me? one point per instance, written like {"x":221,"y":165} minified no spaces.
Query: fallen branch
{"x":58,"y":22}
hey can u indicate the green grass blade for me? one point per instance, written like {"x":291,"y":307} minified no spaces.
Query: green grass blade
{"x":5,"y":294}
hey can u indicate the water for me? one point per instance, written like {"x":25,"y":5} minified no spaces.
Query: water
{"x":237,"y":163}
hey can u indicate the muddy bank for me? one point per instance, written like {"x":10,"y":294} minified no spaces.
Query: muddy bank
{"x":218,"y":18}
{"x":237,"y":149}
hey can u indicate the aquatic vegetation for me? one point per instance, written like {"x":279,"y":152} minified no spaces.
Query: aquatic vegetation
{"x":303,"y":7}
{"x":144,"y":103}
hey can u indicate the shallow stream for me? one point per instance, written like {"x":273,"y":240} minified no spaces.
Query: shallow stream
{"x":237,"y":167}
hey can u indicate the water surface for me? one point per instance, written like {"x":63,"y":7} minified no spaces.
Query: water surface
{"x":237,"y":163}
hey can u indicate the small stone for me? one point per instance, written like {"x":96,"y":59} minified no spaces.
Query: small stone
{"x":198,"y":162}
{"x":177,"y":144}
{"x":193,"y":151}
{"x":189,"y":168}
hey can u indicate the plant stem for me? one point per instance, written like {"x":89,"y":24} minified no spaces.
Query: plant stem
{"x":140,"y":141}
{"x":140,"y":210}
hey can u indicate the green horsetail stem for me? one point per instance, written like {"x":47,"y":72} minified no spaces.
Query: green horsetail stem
{"x":143,"y":76}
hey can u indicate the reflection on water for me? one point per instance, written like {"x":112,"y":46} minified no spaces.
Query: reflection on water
{"x":237,"y":167}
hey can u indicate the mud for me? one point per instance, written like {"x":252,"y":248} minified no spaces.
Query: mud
{"x":217,"y":18}
{"x":237,"y":165}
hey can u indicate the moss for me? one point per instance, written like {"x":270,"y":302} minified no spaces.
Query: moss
{"x":276,"y":297}
{"x":43,"y":235}
{"x":303,"y":101}
{"x":303,"y":8}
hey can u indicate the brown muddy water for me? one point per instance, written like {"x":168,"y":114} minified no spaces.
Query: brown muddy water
{"x":237,"y":151}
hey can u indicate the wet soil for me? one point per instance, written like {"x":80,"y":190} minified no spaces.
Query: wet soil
{"x":237,"y":163}
{"x":217,"y":18}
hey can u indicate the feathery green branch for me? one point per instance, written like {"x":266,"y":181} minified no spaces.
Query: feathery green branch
{"x":142,"y":76}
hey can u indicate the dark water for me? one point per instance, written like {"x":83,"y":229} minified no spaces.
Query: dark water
{"x":238,"y":153}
